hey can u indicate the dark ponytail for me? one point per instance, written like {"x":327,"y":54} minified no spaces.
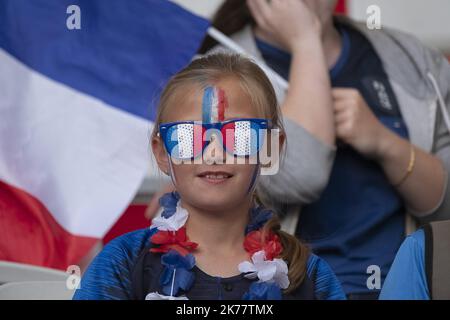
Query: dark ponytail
{"x":295,"y":252}
{"x":231,"y":17}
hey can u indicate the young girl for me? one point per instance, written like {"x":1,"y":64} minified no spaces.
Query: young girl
{"x":213,"y":239}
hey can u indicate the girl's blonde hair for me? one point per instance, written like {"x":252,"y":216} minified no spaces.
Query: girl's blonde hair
{"x":207,"y":71}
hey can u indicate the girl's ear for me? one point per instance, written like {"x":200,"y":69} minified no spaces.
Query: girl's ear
{"x":160,"y":154}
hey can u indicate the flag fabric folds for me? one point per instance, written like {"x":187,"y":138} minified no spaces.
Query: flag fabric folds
{"x":76,"y":111}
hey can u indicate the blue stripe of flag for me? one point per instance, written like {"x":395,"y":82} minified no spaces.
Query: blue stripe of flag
{"x":123,"y":55}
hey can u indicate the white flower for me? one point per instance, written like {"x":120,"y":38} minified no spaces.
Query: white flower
{"x":157,"y":296}
{"x":173,"y":223}
{"x":275,"y":270}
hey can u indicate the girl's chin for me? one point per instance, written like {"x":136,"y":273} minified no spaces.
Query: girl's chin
{"x":215,"y":196}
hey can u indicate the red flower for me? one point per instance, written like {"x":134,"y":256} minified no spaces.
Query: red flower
{"x":271,"y":245}
{"x":173,"y":240}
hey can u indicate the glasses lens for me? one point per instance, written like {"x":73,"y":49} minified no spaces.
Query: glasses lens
{"x":241,"y":138}
{"x":185,"y":140}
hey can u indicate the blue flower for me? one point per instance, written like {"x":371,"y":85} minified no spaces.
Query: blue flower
{"x":152,"y":232}
{"x":258,"y":217}
{"x":263,"y":291}
{"x":169,"y":202}
{"x":174,"y":262}
{"x":173,"y":259}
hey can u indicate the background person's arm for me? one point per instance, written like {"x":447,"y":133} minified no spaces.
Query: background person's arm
{"x":295,"y":27}
{"x":307,"y":108}
{"x":422,"y":189}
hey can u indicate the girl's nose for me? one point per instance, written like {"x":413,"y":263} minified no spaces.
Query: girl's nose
{"x":214,"y":153}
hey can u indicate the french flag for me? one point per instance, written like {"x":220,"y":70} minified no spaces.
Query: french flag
{"x":76,"y":111}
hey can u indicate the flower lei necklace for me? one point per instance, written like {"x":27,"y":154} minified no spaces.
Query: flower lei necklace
{"x":168,"y":236}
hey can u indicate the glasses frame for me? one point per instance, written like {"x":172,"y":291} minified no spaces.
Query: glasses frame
{"x":163,"y":129}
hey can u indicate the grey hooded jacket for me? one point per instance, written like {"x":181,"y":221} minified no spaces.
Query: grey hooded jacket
{"x":420,"y":78}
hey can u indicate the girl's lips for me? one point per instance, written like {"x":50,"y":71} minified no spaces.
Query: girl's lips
{"x":216,"y":177}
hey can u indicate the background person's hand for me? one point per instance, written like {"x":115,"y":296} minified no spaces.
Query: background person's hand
{"x":288,"y":22}
{"x":153,"y":205}
{"x":355,"y":123}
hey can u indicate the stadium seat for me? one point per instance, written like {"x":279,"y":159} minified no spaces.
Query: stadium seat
{"x":19,"y":272}
{"x":35,"y":290}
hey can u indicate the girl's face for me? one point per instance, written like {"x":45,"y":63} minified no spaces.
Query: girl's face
{"x":213,"y":184}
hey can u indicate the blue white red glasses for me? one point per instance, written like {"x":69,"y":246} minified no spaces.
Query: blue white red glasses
{"x":188,"y":139}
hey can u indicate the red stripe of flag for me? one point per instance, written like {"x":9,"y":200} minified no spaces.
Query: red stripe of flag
{"x":341,"y":7}
{"x":30,"y":234}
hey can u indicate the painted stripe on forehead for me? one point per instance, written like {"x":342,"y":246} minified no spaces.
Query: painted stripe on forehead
{"x":213,"y":105}
{"x":206,"y":104}
{"x":222,"y":105}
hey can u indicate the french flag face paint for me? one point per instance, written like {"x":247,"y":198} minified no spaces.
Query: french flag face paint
{"x":242,"y":137}
{"x":213,"y":111}
{"x":214,"y":105}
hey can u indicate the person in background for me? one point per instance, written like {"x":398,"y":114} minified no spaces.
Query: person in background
{"x":380,"y":150}
{"x":420,"y":268}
